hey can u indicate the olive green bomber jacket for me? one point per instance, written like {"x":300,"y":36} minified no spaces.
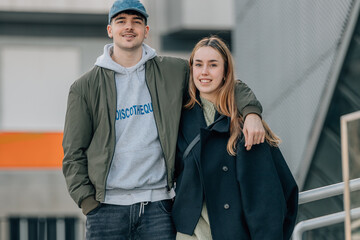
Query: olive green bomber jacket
{"x":89,"y":131}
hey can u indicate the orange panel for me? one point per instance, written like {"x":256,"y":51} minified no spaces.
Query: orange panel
{"x":30,"y":150}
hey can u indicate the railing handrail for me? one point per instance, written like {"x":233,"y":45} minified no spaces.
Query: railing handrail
{"x":323,"y":221}
{"x":327,"y":191}
{"x":321,"y":193}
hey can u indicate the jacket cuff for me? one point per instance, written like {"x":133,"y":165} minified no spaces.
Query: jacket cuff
{"x":89,"y":204}
{"x":251,"y":109}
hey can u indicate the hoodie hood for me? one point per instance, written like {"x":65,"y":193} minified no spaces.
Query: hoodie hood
{"x":106,"y":61}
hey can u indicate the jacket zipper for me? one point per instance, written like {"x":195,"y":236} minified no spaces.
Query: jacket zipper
{"x":160,"y":138}
{"x":113,"y":150}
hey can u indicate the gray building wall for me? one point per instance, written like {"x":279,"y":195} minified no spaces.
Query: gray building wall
{"x":302,"y":58}
{"x":287,"y":52}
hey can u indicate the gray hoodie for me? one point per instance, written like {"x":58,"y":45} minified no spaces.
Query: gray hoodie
{"x":138,"y":171}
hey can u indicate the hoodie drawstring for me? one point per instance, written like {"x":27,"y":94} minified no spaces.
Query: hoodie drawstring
{"x":142,"y":208}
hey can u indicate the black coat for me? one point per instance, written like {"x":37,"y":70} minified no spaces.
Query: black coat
{"x":252,"y":195}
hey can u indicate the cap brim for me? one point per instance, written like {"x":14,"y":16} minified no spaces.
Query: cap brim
{"x":132,"y":9}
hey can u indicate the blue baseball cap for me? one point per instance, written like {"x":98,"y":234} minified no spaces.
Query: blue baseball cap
{"x":123,"y":5}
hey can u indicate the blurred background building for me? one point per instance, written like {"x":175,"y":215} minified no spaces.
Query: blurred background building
{"x":301,"y":58}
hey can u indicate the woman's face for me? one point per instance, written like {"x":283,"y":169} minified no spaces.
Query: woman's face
{"x":208,"y":72}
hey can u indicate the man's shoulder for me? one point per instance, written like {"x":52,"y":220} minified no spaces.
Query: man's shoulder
{"x":169,"y":60}
{"x":168,"y":65}
{"x":93,"y":74}
{"x":92,"y":77}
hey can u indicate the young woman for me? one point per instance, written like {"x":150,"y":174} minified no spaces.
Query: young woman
{"x":224,"y":191}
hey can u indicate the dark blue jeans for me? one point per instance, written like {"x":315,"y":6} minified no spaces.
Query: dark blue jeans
{"x":110,"y":222}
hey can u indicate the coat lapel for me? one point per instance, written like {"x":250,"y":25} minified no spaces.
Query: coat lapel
{"x":192,"y":120}
{"x":221,"y":124}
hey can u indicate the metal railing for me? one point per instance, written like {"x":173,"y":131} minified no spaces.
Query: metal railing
{"x":322,"y":193}
{"x":327,"y":191}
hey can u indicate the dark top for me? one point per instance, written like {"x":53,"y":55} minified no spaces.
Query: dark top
{"x":252,"y":195}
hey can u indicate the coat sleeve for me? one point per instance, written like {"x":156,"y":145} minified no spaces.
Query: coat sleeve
{"x":290,"y":190}
{"x":268,"y":193}
{"x":77,"y":137}
{"x":246,"y":100}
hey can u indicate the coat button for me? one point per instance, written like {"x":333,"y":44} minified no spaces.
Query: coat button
{"x":226,"y":206}
{"x":225,"y":168}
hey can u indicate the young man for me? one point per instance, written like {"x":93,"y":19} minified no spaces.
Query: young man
{"x":121,"y":130}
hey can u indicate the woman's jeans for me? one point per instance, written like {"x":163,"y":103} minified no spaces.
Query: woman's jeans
{"x":145,"y":221}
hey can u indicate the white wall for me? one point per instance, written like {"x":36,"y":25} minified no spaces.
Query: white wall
{"x":35,"y":82}
{"x":35,"y":77}
{"x":80,"y":6}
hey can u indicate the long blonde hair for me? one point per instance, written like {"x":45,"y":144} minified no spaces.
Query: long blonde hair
{"x":225,"y":100}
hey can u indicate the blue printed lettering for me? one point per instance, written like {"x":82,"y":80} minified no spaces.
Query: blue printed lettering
{"x":150,"y":107}
{"x":146,"y":109}
{"x":133,"y":111}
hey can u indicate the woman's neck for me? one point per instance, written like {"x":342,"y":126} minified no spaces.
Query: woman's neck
{"x":209,"y":98}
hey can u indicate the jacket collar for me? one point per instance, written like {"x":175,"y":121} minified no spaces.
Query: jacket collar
{"x":221,"y":124}
{"x":193,"y":120}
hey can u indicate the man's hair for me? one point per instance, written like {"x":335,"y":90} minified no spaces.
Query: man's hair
{"x":132,"y":12}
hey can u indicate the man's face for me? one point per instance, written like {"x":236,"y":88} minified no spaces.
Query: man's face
{"x":128,"y":31}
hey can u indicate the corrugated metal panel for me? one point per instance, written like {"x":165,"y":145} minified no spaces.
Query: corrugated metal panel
{"x":285,"y":51}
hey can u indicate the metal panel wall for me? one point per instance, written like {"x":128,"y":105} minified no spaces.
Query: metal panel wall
{"x":285,"y":51}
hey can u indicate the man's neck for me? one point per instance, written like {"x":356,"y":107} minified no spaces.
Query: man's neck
{"x":127,"y":58}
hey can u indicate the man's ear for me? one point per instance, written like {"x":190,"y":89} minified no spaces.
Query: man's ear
{"x":109,"y":31}
{"x":147,"y":28}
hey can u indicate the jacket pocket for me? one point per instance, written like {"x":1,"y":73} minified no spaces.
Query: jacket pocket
{"x":94,"y":211}
{"x":89,"y":204}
